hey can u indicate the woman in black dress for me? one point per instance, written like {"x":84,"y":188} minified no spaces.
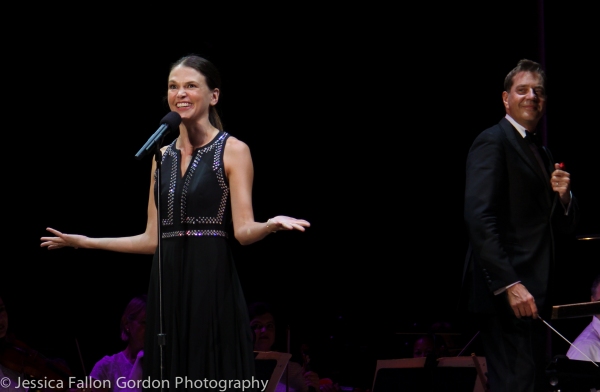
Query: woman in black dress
{"x":206,"y":178}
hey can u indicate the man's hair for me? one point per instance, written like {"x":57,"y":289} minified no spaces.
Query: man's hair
{"x":524,"y":65}
{"x":595,"y":284}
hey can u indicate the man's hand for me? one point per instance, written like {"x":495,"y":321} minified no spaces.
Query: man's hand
{"x":561,"y":183}
{"x":521,"y":301}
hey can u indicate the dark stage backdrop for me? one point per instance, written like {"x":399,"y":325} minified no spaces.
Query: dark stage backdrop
{"x":358,"y":120}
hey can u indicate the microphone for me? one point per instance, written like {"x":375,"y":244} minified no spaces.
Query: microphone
{"x":169,"y":122}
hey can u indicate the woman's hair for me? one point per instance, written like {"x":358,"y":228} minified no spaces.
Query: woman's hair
{"x":131,"y":312}
{"x":258,"y":309}
{"x":212,"y":76}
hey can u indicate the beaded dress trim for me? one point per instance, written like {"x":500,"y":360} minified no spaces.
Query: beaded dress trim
{"x":217,"y":145}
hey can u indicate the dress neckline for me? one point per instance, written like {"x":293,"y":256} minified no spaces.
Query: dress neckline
{"x":212,"y":141}
{"x":194,"y":154}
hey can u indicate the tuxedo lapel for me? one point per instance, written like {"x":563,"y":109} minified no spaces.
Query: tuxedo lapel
{"x":522,"y":147}
{"x":524,"y":151}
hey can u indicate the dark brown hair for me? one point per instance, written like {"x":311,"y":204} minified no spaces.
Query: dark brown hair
{"x":132,"y":310}
{"x":524,"y":65}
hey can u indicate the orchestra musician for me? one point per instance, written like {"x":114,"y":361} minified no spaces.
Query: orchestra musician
{"x":586,"y":347}
{"x":23,"y":369}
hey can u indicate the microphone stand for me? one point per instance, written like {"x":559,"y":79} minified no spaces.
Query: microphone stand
{"x":156,"y":141}
{"x":161,"y":335}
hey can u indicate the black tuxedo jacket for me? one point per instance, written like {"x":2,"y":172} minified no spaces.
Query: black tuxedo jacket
{"x":512,"y":218}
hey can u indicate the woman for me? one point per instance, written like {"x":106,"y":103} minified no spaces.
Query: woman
{"x":206,"y":183}
{"x":123,"y":369}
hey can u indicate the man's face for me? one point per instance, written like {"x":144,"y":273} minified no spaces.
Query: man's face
{"x":137,"y":330}
{"x":526,"y":100}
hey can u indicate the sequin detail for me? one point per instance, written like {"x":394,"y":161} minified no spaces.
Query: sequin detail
{"x":218,"y":145}
{"x":172,"y":183}
{"x":195,"y":233}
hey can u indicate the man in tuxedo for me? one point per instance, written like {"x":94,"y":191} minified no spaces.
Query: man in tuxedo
{"x":518,"y":202}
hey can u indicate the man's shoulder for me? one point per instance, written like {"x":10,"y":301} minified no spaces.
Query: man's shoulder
{"x":493,"y":132}
{"x":501,"y":126}
{"x":588,"y":333}
{"x":499,"y":130}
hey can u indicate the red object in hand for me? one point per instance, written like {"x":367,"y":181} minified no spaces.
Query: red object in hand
{"x":561,"y":165}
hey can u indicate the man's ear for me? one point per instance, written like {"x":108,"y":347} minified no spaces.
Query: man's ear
{"x":505,"y":99}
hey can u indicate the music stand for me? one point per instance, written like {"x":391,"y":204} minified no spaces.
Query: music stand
{"x":569,"y":375}
{"x":447,"y":374}
{"x":270,"y":366}
{"x":583,"y":309}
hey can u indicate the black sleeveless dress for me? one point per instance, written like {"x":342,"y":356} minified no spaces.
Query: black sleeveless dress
{"x":205,"y":319}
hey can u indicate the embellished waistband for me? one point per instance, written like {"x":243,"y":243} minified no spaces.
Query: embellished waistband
{"x":195,"y":233}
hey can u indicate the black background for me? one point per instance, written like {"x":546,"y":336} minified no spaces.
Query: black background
{"x":358,"y":119}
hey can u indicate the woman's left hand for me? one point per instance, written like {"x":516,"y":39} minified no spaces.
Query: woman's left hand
{"x":282,"y":222}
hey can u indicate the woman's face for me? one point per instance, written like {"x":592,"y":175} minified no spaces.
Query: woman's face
{"x":3,"y":319}
{"x":137,"y":330}
{"x":189,"y":95}
{"x":264,"y":332}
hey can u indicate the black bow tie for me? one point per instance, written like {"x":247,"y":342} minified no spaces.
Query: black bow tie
{"x":538,"y":150}
{"x":533,"y":138}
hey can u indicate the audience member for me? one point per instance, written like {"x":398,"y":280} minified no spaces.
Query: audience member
{"x":588,"y":341}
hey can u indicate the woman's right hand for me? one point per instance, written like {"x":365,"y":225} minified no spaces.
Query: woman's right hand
{"x":61,"y":240}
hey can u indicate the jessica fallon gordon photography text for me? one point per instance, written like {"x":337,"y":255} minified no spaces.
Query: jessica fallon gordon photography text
{"x":123,"y":382}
